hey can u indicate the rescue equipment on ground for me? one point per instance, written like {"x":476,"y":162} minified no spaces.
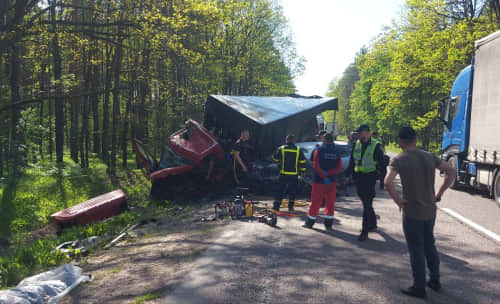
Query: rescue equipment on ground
{"x":223,"y":209}
{"x":270,"y":218}
{"x":249,"y":209}
{"x":239,"y":207}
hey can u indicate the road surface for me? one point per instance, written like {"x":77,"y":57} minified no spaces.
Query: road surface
{"x":254,"y":263}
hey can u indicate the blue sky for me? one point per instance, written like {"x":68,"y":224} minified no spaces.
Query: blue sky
{"x":329,"y":33}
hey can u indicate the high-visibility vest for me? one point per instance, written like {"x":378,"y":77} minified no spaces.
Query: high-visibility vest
{"x":379,"y":140}
{"x":366,"y":164}
{"x":290,"y":167}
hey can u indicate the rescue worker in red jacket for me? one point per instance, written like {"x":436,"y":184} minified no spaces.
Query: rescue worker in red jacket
{"x":327,"y":164}
{"x":292,"y":163}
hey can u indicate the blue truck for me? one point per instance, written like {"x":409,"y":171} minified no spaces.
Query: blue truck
{"x":471,"y":116}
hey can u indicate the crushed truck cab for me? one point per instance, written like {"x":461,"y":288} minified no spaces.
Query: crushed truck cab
{"x":181,"y":158}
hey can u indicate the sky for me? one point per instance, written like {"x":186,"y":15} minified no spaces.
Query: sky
{"x":329,"y":33}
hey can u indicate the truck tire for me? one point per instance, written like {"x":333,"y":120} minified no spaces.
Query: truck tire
{"x":453,"y":160}
{"x":495,"y":189}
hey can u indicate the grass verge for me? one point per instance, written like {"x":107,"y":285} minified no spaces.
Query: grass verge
{"x":27,"y":242}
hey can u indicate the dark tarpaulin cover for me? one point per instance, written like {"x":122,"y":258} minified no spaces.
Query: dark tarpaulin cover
{"x":269,"y":119}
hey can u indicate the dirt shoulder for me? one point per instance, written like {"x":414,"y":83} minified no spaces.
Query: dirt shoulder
{"x":151,"y":264}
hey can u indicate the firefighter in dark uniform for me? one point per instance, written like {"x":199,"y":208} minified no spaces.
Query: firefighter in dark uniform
{"x":367,"y":158}
{"x":242,"y":164}
{"x":292,"y":163}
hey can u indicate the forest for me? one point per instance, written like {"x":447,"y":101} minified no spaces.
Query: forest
{"x":400,"y":77}
{"x":79,"y":79}
{"x":84,"y":77}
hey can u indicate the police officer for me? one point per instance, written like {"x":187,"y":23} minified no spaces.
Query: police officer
{"x":327,"y":164}
{"x":366,"y":158}
{"x":292,"y":162}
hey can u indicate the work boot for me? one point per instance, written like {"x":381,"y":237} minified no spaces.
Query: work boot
{"x":328,"y":224}
{"x":290,"y":206}
{"x":363,"y":236}
{"x":276,"y":206}
{"x":434,"y":285}
{"x":414,"y":292}
{"x":309,"y":223}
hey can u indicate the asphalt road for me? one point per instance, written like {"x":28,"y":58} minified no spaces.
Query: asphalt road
{"x":255,"y":263}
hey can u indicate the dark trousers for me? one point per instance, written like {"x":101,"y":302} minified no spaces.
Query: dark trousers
{"x":421,"y":245}
{"x":365,"y":186}
{"x":383,"y":173}
{"x":288,"y":184}
{"x":242,"y":178}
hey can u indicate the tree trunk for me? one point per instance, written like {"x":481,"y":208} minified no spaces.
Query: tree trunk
{"x":43,"y":88}
{"x":105,"y":110}
{"x":74,"y":140}
{"x":117,"y":62}
{"x":59,"y":102}
{"x":84,"y":136}
{"x":495,"y":8}
{"x":1,"y":156}
{"x":144,"y":91}
{"x":95,"y":108}
{"x":16,"y":140}
{"x":124,"y":139}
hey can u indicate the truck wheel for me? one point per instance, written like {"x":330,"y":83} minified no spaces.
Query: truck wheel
{"x":496,"y":188}
{"x":453,"y":160}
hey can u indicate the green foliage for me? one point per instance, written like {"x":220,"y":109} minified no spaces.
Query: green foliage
{"x":148,"y":297}
{"x":408,"y":68}
{"x":46,"y":188}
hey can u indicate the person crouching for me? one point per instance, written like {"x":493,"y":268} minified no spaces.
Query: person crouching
{"x":327,"y":164}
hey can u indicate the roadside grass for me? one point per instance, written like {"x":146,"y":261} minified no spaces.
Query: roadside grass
{"x":28,"y":200}
{"x":148,"y":297}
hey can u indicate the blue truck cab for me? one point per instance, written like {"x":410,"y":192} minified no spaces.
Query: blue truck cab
{"x":455,"y":114}
{"x":471,"y":118}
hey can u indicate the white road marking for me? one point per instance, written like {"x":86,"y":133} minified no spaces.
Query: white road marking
{"x":473,"y":225}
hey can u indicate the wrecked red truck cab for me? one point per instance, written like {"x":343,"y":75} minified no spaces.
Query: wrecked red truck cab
{"x":182,"y":158}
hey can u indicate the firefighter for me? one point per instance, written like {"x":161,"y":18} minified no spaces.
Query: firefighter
{"x":327,"y":164}
{"x":292,"y":162}
{"x":366,"y":158}
{"x":242,"y":164}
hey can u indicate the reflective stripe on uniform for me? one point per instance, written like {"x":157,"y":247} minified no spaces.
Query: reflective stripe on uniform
{"x":297,"y":153}
{"x":330,"y":217}
{"x":311,"y":217}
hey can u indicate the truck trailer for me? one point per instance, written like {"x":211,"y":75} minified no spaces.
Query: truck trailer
{"x":471,"y":115}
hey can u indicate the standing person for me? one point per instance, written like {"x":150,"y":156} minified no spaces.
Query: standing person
{"x":292,"y":163}
{"x":352,"y":138}
{"x":242,"y":164}
{"x":366,"y":158}
{"x":417,"y":169}
{"x":327,"y":164}
{"x":383,"y":166}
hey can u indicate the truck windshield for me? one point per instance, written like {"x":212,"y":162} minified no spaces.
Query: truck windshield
{"x":169,"y":159}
